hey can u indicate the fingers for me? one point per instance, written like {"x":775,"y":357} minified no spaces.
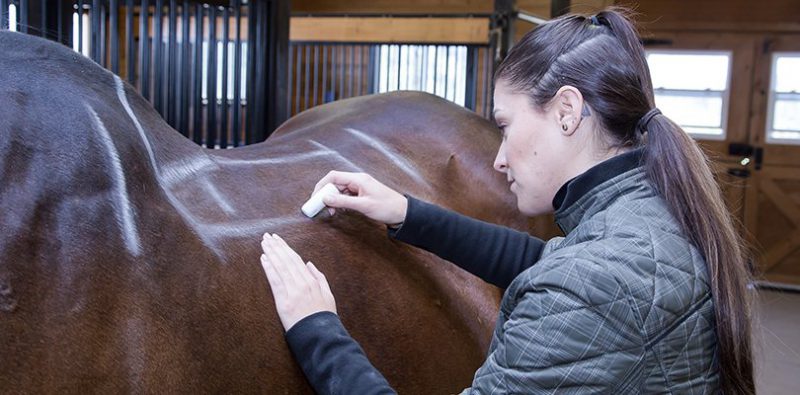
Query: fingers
{"x":321,"y":280}
{"x":274,"y":278}
{"x":350,"y":182}
{"x":343,"y":180}
{"x":357,"y":203}
{"x":283,"y":262}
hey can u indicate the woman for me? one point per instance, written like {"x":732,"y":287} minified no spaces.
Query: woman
{"x":646,"y":293}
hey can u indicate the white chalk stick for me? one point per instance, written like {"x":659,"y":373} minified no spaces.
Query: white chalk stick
{"x":314,"y":205}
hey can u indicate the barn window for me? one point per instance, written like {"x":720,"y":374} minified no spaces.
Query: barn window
{"x":783,"y":114}
{"x":437,"y":69}
{"x":692,"y":88}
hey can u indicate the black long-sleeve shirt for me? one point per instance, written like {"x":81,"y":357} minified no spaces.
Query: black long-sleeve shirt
{"x":335,"y":364}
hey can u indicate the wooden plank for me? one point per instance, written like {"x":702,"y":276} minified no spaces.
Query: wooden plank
{"x":725,"y":15}
{"x":780,"y":250}
{"x":390,"y":30}
{"x":781,"y":200}
{"x":351,"y":7}
{"x":782,"y":172}
{"x":777,"y":280}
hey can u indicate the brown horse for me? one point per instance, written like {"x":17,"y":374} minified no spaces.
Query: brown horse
{"x":129,"y":255}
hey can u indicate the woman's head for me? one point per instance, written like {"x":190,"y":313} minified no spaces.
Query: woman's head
{"x":585,"y":86}
{"x":576,"y":91}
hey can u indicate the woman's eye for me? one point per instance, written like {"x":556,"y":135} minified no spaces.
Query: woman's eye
{"x":502,"y":131}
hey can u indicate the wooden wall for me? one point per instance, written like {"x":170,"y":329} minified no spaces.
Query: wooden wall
{"x":728,"y":15}
{"x":392,"y":6}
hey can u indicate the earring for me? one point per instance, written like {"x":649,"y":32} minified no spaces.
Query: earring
{"x":564,"y":127}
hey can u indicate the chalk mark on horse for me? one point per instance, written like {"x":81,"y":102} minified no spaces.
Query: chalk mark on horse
{"x":124,"y":212}
{"x":401,"y":162}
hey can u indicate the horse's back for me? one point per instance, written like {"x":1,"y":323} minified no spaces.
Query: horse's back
{"x":129,"y":257}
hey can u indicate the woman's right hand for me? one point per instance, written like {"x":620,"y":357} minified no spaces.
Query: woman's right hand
{"x":362,"y":193}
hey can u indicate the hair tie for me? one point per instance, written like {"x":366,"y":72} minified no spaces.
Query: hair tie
{"x":595,"y":21}
{"x":641,"y":126}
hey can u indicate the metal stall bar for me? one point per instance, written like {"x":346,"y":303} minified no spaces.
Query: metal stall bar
{"x":171,"y":75}
{"x":307,"y":74}
{"x":291,"y":75}
{"x":299,"y":62}
{"x":80,"y":26}
{"x":487,"y":55}
{"x":185,"y":70}
{"x":223,"y":133}
{"x":22,"y":20}
{"x":435,"y":68}
{"x":211,"y":91}
{"x":43,"y":21}
{"x":324,"y":73}
{"x":197,"y":75}
{"x":158,"y":61}
{"x":350,"y":74}
{"x":94,"y":26}
{"x":446,"y":70}
{"x":408,"y":66}
{"x":4,"y":14}
{"x":262,"y":74}
{"x":114,"y":27}
{"x":144,"y":49}
{"x":316,"y":74}
{"x":333,"y":72}
{"x":129,"y":41}
{"x":341,"y":71}
{"x":251,"y":69}
{"x":371,"y":74}
{"x":102,"y":52}
{"x":237,"y":75}
{"x":471,"y":78}
{"x":278,"y":45}
{"x":399,"y":62}
{"x":360,"y":84}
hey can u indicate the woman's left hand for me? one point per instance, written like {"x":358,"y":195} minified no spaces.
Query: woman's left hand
{"x":299,"y":289}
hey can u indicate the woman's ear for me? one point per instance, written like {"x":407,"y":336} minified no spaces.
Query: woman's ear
{"x":568,"y":105}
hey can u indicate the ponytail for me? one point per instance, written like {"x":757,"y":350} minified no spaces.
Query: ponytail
{"x":681,"y":172}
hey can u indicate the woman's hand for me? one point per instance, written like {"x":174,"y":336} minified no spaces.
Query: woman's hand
{"x":362,"y":193}
{"x":299,"y":289}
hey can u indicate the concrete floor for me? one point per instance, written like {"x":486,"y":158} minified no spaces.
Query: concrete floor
{"x":777,"y":342}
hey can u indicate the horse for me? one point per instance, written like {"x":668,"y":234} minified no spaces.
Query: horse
{"x":129,"y":256}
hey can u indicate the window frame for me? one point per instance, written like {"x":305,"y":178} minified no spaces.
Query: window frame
{"x":771,"y":99}
{"x":725,"y":93}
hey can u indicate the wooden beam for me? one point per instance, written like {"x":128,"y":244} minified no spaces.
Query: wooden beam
{"x":390,"y":30}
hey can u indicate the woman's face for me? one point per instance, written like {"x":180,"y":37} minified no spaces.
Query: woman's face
{"x":533,"y":153}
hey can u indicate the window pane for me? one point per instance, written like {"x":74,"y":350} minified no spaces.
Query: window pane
{"x":787,"y":115}
{"x":787,"y":74}
{"x":690,"y":110}
{"x":689,"y":71}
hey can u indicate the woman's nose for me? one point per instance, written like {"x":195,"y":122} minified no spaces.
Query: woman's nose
{"x":500,"y":160}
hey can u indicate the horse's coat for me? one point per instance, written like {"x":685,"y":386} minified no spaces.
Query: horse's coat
{"x":129,"y":255}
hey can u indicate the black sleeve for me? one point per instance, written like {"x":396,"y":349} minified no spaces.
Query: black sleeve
{"x":495,"y":253}
{"x":332,"y":360}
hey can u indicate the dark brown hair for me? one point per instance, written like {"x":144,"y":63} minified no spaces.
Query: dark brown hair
{"x":603,"y":58}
